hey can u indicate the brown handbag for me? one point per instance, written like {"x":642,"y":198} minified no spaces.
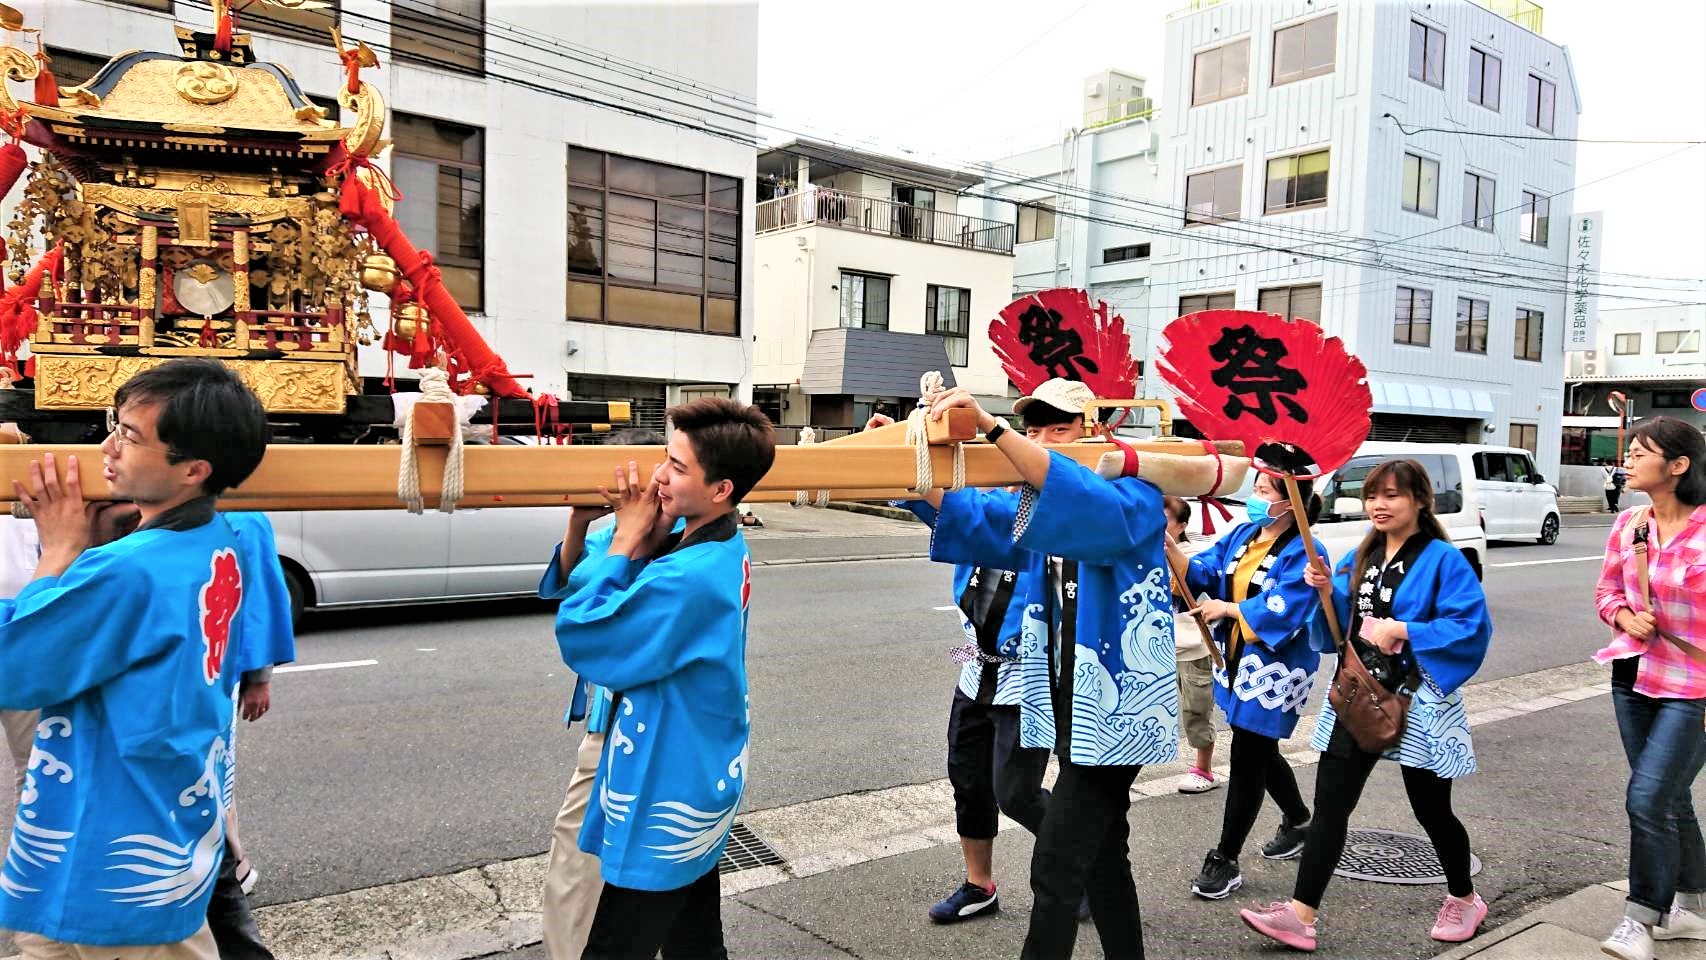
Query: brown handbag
{"x":1373,"y":715}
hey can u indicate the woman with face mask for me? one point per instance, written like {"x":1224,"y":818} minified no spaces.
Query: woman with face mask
{"x":1250,"y":587}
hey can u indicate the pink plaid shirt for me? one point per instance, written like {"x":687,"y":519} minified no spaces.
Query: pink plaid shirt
{"x":1677,"y":579}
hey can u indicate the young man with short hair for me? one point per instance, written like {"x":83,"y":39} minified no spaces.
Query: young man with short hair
{"x":132,"y":647}
{"x":661,"y":621}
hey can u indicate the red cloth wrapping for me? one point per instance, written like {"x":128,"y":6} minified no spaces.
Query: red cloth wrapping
{"x":449,"y":325}
{"x":12,"y":164}
{"x":17,"y":307}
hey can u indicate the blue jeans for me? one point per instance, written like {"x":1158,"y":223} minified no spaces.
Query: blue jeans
{"x":1666,"y":745}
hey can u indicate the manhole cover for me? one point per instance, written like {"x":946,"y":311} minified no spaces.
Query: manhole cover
{"x":745,"y":851}
{"x":1385,"y":856}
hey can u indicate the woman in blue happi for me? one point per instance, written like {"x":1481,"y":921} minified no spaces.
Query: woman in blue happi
{"x":1418,"y":622}
{"x":1097,"y":654}
{"x":1249,"y":584}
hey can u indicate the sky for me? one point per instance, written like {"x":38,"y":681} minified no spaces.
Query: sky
{"x":970,"y":80}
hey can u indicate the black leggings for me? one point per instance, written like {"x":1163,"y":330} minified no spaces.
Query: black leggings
{"x":1257,"y":767}
{"x":1338,"y":787}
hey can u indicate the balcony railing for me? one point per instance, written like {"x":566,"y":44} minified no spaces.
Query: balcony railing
{"x":1524,"y":13}
{"x":1139,"y":108}
{"x":849,"y":211}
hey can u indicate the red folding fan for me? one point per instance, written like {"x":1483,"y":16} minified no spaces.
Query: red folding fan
{"x":1057,"y":333}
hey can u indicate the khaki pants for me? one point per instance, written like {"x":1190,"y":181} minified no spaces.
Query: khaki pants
{"x":200,"y":946}
{"x":572,"y":880}
{"x":21,"y":740}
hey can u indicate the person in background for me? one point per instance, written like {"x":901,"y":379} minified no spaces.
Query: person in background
{"x":1418,"y":622}
{"x":1196,"y":673}
{"x":1658,"y":681}
{"x":1616,"y":478}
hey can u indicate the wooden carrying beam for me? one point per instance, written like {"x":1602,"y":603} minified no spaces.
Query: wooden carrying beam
{"x":302,"y":476}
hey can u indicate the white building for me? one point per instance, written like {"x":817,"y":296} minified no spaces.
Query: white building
{"x":1437,"y":255}
{"x":866,"y":280}
{"x":603,"y":253}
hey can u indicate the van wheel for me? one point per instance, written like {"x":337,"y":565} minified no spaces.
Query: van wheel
{"x":1549,"y":529}
{"x":295,"y":584}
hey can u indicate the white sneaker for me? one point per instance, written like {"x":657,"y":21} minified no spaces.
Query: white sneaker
{"x":1198,"y":781}
{"x":1681,"y":925}
{"x":1630,"y":941}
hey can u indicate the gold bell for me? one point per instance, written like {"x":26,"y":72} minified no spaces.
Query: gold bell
{"x":409,"y":318}
{"x":481,"y":388}
{"x":379,"y":273}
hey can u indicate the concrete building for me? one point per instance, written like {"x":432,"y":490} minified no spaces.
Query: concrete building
{"x":867,"y":279}
{"x":1437,"y":254}
{"x":602,"y":252}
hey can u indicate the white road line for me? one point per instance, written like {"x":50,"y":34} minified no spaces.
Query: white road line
{"x":943,"y":609}
{"x":1542,"y":563}
{"x":307,"y":667}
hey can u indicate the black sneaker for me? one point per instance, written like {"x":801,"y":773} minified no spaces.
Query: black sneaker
{"x":970,"y":900}
{"x":1219,"y":877}
{"x":1287,"y":842}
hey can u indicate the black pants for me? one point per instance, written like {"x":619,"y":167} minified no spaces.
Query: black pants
{"x":1611,"y":498}
{"x":1257,"y":767}
{"x":990,"y":772}
{"x":1338,"y":787}
{"x":685,"y":923}
{"x":228,"y":917}
{"x":1081,"y":849}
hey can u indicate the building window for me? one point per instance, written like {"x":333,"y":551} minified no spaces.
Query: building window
{"x":1484,"y":78}
{"x":1198,"y":302}
{"x":1678,"y":341}
{"x":1036,"y":222}
{"x":1421,"y":185}
{"x":1471,"y":325}
{"x":652,"y":245}
{"x":1542,"y":99}
{"x":1526,"y":436}
{"x":1530,"y":325}
{"x":1427,"y":54}
{"x":1305,"y":50}
{"x":1478,"y":201}
{"x":71,"y":68}
{"x":1135,"y":251}
{"x":1536,"y":218}
{"x":947,"y":314}
{"x":450,"y":34}
{"x":1626,"y":344}
{"x":1214,"y":196}
{"x":165,"y":5}
{"x":1292,"y":303}
{"x":1413,"y":323}
{"x":312,"y":25}
{"x":1673,"y":399}
{"x":439,"y":167}
{"x":864,"y":301}
{"x":1297,"y":181}
{"x":1221,"y":73}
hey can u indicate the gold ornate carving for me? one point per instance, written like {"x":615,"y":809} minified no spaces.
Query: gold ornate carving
{"x":284,"y":386}
{"x":148,"y":91}
{"x":369,"y":107}
{"x":206,"y":83}
{"x":16,"y":65}
{"x":132,"y":199}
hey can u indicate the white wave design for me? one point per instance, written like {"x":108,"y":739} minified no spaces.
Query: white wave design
{"x":182,"y":873}
{"x":32,"y":846}
{"x":701,"y":832}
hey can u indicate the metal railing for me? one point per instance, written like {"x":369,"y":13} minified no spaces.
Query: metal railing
{"x":1191,"y":8}
{"x":850,"y":211}
{"x":1524,"y":13}
{"x":1137,"y":108}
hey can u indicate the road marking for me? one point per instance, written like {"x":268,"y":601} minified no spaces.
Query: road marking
{"x":943,"y":609}
{"x":1542,"y":563}
{"x":308,"y":667}
{"x":426,"y":649}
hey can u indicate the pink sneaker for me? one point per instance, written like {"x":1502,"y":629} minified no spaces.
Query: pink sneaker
{"x":1457,"y":920}
{"x":1277,"y":921}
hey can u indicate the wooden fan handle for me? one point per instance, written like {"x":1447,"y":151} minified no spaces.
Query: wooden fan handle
{"x":1300,"y":515}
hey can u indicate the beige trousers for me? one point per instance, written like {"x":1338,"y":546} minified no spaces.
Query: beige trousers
{"x":20,"y":740}
{"x":200,"y":946}
{"x":572,"y":880}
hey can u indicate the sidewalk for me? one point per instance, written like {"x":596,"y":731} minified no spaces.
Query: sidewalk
{"x":1570,"y":927}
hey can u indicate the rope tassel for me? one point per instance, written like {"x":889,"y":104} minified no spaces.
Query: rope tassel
{"x":918,"y":435}
{"x":435,"y":388}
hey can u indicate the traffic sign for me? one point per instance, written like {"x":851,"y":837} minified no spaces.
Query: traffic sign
{"x":1699,"y":400}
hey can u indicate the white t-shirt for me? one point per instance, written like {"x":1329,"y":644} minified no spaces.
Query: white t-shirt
{"x":19,"y":551}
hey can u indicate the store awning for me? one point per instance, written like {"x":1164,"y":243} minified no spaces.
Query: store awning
{"x":1431,"y":400}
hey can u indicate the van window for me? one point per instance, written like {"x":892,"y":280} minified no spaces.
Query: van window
{"x":1347,"y":483}
{"x":1491,"y":466}
{"x":1518,"y":467}
{"x":1448,"y":486}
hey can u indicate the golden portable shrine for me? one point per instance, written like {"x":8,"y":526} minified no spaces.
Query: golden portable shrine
{"x":198,"y":203}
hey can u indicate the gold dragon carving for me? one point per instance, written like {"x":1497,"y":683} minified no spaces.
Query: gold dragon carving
{"x":83,"y":382}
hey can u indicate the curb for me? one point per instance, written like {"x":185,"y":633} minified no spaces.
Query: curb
{"x":873,"y":510}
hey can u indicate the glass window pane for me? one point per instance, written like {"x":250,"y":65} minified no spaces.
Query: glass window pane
{"x":1321,"y":34}
{"x":1235,"y":69}
{"x":722,"y":316}
{"x":1484,"y":203}
{"x":1429,"y":189}
{"x":1436,"y":58}
{"x":464,"y":283}
{"x":586,"y":230}
{"x":877,"y":303}
{"x":585,"y":300}
{"x":1275,"y":300}
{"x":1418,"y":50}
{"x":1542,"y":219}
{"x":1229,"y":192}
{"x":586,"y":166}
{"x":417,"y":212}
{"x":1312,"y":178}
{"x":1281,"y":170}
{"x":1306,"y":303}
{"x":1490,"y":85}
{"x":725,"y":192}
{"x":656,"y":179}
{"x":1548,"y":92}
{"x":1532,"y":106}
{"x":655,"y":308}
{"x":1288,"y":54}
{"x":1477,"y":71}
{"x":1412,"y":181}
{"x":1421,"y":318}
{"x":724,"y":269}
{"x":681,"y":246}
{"x":1205,"y":77}
{"x":632,"y":249}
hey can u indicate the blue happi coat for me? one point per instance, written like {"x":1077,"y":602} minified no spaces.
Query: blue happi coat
{"x":668,"y":637}
{"x":1267,"y":691}
{"x":133,"y":656}
{"x":1008,"y":682}
{"x":1450,"y":628}
{"x":1122,"y":697}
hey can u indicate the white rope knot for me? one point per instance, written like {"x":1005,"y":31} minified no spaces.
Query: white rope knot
{"x":803,"y":498}
{"x":918,"y":435}
{"x":435,"y":388}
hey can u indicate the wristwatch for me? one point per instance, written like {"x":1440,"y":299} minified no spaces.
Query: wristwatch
{"x":994,"y":433}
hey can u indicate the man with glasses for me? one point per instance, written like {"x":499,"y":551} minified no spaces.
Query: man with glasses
{"x":132,"y":646}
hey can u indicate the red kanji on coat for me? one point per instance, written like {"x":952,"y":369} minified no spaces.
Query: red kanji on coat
{"x":220,"y":598}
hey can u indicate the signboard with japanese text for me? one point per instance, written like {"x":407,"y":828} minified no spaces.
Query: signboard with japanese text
{"x":1581,"y":304}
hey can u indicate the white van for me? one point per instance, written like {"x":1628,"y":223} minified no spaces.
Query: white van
{"x":1516,"y":501}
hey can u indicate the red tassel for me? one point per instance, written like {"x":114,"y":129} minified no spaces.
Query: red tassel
{"x":47,"y":87}
{"x":222,"y":36}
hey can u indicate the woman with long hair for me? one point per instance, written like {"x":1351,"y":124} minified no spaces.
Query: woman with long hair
{"x":1250,"y":586}
{"x":1649,"y":593}
{"x":1419,"y":622}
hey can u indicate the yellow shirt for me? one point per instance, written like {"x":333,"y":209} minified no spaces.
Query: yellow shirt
{"x":1247,"y":567}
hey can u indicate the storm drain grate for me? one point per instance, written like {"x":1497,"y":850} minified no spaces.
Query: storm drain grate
{"x":1384,"y":856}
{"x":746,"y":851}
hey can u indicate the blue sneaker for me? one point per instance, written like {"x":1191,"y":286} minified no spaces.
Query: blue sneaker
{"x":970,"y":900}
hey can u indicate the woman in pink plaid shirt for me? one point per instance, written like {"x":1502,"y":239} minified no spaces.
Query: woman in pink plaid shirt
{"x":1658,"y":681}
